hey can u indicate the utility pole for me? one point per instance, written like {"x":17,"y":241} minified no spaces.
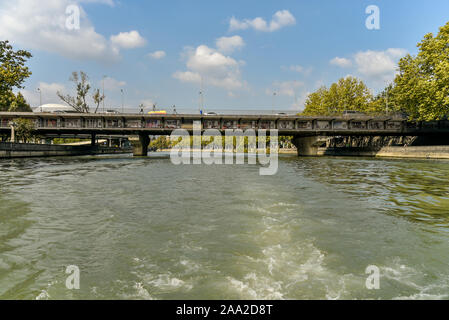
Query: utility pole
{"x":386,"y":101}
{"x":294,"y":91}
{"x":201,"y":99}
{"x":123,"y":102}
{"x":103,"y":92}
{"x":40,"y":98}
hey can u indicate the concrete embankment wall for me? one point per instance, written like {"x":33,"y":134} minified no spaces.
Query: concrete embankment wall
{"x":23,"y":150}
{"x":425,"y":152}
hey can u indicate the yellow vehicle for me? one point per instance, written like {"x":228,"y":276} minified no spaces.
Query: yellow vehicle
{"x":158,"y":112}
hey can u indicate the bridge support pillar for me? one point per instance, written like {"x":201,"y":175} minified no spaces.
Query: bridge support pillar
{"x":306,"y":146}
{"x":93,"y":139}
{"x":140,"y":145}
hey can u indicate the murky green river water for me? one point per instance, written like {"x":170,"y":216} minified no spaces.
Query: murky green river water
{"x":147,"y":229}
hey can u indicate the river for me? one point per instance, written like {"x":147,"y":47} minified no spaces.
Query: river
{"x":142,"y":228}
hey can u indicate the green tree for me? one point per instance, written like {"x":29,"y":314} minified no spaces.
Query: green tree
{"x":316,"y":103}
{"x":160,"y":143}
{"x":347,"y":94}
{"x":79,"y":103}
{"x":385,"y":102}
{"x":422,"y":85}
{"x":24,"y":129}
{"x":11,"y":102}
{"x":13,"y":73}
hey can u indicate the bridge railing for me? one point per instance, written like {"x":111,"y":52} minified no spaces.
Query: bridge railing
{"x":221,"y":122}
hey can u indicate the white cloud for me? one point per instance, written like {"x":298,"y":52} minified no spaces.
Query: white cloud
{"x":229,"y":44}
{"x":128,"y":40}
{"x":213,"y":67}
{"x":285,"y":88}
{"x":157,"y":54}
{"x":187,"y":76}
{"x":378,"y":65}
{"x":48,"y":91}
{"x":341,"y":62}
{"x":111,"y":84}
{"x":108,"y":2}
{"x":51,"y":88}
{"x":31,"y":97}
{"x":280,"y":19}
{"x":41,"y":25}
{"x":147,"y":103}
{"x":297,"y":68}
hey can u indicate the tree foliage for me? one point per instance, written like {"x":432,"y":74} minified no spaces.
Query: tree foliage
{"x":160,"y":143}
{"x":385,"y":102}
{"x":13,"y":73}
{"x":79,"y":102}
{"x":422,"y":85}
{"x":24,"y":129}
{"x":347,"y":94}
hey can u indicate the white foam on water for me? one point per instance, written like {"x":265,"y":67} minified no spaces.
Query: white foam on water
{"x":423,"y":296}
{"x":190,"y":266}
{"x":164,"y":282}
{"x":141,"y":292}
{"x":416,"y":281}
{"x":43,"y":295}
{"x":287,"y":269}
{"x":257,"y":287}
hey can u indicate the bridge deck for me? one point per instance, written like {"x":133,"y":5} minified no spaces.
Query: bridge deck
{"x":82,"y":123}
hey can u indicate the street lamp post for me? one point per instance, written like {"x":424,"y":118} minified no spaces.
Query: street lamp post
{"x":123,"y":101}
{"x":103,"y":92}
{"x":40,"y":98}
{"x":201,"y":97}
{"x":386,"y":101}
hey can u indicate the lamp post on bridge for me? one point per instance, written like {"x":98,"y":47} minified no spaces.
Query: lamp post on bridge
{"x":40,"y":98}
{"x":123,"y":101}
{"x":104,"y":77}
{"x":386,"y":101}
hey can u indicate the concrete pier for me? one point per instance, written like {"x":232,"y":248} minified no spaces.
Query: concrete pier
{"x":308,"y":145}
{"x":140,"y":145}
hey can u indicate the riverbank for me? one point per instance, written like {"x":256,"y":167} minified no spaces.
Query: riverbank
{"x":418,"y":152}
{"x":22,"y":150}
{"x":281,"y":151}
{"x":25,"y":150}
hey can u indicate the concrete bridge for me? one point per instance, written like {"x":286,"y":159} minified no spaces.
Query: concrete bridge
{"x":305,"y":130}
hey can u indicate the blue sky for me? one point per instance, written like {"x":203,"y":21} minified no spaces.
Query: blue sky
{"x":158,"y":51}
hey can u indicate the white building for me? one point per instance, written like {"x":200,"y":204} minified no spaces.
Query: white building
{"x":53,"y":107}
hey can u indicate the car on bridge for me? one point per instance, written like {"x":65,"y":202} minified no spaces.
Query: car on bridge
{"x":111,"y":112}
{"x":353,"y":113}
